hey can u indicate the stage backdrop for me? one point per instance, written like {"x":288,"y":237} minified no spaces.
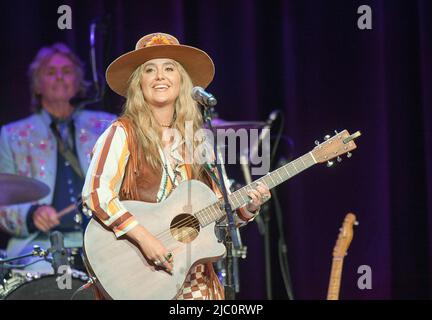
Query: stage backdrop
{"x":310,"y":60}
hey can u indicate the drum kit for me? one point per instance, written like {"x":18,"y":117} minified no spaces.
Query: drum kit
{"x":17,"y":283}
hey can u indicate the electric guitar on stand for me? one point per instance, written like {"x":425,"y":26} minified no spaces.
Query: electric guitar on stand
{"x":339,"y":252}
{"x":185,"y":224}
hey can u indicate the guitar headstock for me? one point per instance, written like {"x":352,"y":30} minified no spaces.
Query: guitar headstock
{"x":345,"y":236}
{"x":334,"y":147}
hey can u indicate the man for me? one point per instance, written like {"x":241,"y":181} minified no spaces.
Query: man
{"x":53,"y":145}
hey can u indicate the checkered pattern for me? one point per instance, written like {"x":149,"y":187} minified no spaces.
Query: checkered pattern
{"x":200,"y":286}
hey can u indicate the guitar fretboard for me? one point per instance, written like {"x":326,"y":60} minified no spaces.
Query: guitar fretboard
{"x":240,"y":197}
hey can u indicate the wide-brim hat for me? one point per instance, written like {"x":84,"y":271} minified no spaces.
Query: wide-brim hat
{"x":196,"y":62}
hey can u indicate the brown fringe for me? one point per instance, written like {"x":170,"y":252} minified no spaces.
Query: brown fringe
{"x":129,"y":188}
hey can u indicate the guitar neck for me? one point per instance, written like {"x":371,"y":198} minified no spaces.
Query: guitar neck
{"x":335,"y":279}
{"x":272,"y":179}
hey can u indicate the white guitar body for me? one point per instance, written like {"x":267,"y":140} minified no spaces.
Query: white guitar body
{"x":121,"y":270}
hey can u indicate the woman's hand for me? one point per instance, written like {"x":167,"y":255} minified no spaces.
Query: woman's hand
{"x":258,"y":196}
{"x":151,"y":247}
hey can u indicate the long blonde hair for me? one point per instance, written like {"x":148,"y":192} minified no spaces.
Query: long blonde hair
{"x":147,"y":130}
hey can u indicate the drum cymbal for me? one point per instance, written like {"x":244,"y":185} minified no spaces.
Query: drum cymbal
{"x":17,"y":189}
{"x":218,"y":123}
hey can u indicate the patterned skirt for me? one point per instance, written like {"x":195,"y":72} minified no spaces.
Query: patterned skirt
{"x":201,"y":283}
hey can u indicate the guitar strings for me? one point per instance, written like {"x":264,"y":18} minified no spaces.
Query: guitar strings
{"x":167,"y":234}
{"x":183,"y":222}
{"x":189,"y":221}
{"x":194,"y":225}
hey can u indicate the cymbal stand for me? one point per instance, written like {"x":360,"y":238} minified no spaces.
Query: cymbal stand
{"x":5,"y":266}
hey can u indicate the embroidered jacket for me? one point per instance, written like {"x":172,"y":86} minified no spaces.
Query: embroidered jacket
{"x":29,"y":148}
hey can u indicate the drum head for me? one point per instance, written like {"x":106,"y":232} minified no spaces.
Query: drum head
{"x":47,"y":288}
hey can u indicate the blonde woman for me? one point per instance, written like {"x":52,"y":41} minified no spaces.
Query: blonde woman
{"x":131,"y":161}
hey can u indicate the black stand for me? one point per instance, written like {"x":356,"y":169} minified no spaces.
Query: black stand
{"x":231,"y":239}
{"x":265,"y":212}
{"x":263,"y":224}
{"x":282,"y":247}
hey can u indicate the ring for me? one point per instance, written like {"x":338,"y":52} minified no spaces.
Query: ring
{"x":157,"y":262}
{"x":169,"y":256}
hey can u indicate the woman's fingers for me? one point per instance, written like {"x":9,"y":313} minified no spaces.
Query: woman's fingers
{"x":263,"y":191}
{"x":165,"y":261}
{"x":255,"y":197}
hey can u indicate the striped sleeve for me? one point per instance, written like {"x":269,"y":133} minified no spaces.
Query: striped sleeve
{"x":104,"y":179}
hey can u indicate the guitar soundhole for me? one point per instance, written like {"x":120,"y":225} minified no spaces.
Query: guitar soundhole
{"x":185,"y":228}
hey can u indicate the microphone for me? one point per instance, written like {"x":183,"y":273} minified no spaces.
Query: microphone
{"x":203,"y":97}
{"x":58,"y":250}
{"x":264,"y":133}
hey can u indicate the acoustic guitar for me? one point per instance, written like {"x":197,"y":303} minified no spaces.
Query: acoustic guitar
{"x":185,"y":224}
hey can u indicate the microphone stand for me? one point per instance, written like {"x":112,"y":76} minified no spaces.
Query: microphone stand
{"x":265,"y":212}
{"x":231,"y":239}
{"x":282,"y":246}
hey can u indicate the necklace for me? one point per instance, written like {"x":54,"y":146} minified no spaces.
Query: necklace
{"x":166,"y":125}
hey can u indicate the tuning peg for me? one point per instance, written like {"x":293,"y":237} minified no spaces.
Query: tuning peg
{"x":317,"y":143}
{"x":339,"y":159}
{"x":349,"y":155}
{"x":336,"y":132}
{"x":330,"y":163}
{"x":356,"y":223}
{"x":326,"y":137}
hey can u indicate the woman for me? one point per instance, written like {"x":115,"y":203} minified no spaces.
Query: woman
{"x":130,"y":160}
